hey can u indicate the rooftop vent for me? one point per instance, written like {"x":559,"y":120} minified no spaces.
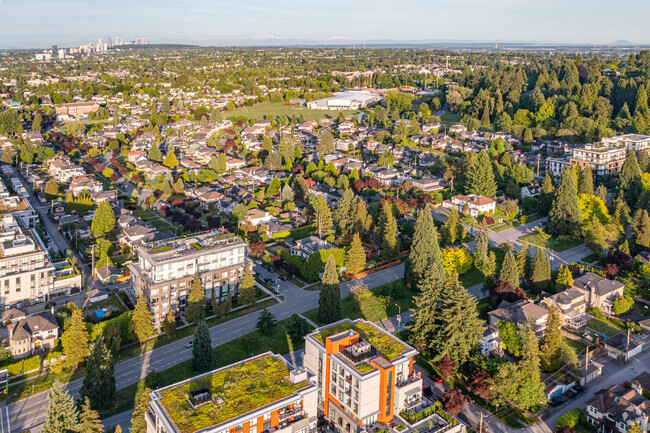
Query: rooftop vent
{"x":199,"y":397}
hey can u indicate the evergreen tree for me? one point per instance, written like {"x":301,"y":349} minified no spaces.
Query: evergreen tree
{"x":223,"y":167}
{"x":329,"y":302}
{"x":644,"y":161}
{"x":326,"y":144}
{"x":425,"y":251}
{"x":356,"y":257}
{"x":51,"y":188}
{"x":37,"y":123}
{"x":321,"y":214}
{"x":480,"y":177}
{"x":427,"y":308}
{"x":546,"y":195}
{"x":459,"y":327}
{"x":586,"y":181}
{"x":170,"y":323}
{"x":141,"y":321}
{"x":540,"y":275}
{"x":75,"y":340}
{"x":601,"y":193}
{"x":509,"y":270}
{"x":202,"y":356}
{"x":195,"y":310}
{"x":300,"y":188}
{"x":565,"y":217}
{"x":154,"y":153}
{"x":641,"y":228}
{"x":564,"y":279}
{"x":89,"y":421}
{"x":342,"y":215}
{"x":523,"y":260}
{"x":362,"y":220}
{"x":629,"y":180}
{"x":138,"y":422}
{"x":550,"y":349}
{"x":274,"y":188}
{"x":453,"y":229}
{"x":170,"y":160}
{"x":390,"y":242}
{"x":595,"y":236}
{"x":99,"y":382}
{"x":61,"y":416}
{"x":266,"y":323}
{"x":104,"y":220}
{"x":297,"y":328}
{"x":287,"y":193}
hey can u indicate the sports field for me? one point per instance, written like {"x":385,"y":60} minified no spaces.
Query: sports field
{"x":272,"y":109}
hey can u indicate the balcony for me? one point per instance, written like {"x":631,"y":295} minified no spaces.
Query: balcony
{"x":288,"y":413}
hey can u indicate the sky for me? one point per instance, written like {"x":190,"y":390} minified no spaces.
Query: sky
{"x":40,"y":23}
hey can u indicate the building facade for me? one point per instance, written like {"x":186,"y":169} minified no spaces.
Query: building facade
{"x":26,"y":273}
{"x":260,"y":394}
{"x":603,"y":159}
{"x":364,"y":374}
{"x":164,"y":271}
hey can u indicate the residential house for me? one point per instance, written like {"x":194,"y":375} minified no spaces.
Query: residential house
{"x":520,"y":313}
{"x":641,"y":383}
{"x":614,"y":410}
{"x":136,"y":234}
{"x":428,"y":183}
{"x":309,"y":245}
{"x":622,"y":348}
{"x":258,"y":216}
{"x":490,"y":342}
{"x":32,"y":334}
{"x":234,"y":163}
{"x":531,"y":190}
{"x":600,"y":292}
{"x":88,"y":182}
{"x":458,"y":129}
{"x":473,"y":204}
{"x":572,"y":305}
{"x":107,"y":274}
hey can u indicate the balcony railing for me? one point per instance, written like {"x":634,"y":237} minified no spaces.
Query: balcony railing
{"x":290,"y":412}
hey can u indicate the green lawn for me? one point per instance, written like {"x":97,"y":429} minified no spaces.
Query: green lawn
{"x":112,"y":301}
{"x":371,"y":308}
{"x":231,"y":352}
{"x":590,"y":258}
{"x":450,"y":118}
{"x":547,"y":241}
{"x":471,"y":277}
{"x":272,"y":109}
{"x":578,"y":346}
{"x":604,"y":326}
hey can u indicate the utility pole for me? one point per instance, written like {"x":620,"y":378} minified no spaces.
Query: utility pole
{"x":399,"y":317}
{"x":480,"y":425}
{"x":627,"y":348}
{"x":538,"y":158}
{"x":92,"y":267}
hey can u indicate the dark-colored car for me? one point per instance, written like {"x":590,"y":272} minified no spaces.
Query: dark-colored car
{"x":435,"y":378}
{"x":578,"y":390}
{"x":557,"y":401}
{"x":571,"y":394}
{"x":268,"y":280}
{"x":283,"y":277}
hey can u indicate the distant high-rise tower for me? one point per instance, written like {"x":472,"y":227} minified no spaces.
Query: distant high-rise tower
{"x":117,"y":41}
{"x":110,"y":45}
{"x":54,"y":48}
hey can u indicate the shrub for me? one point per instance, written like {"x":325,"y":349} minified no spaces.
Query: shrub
{"x":569,"y":419}
{"x":623,"y":304}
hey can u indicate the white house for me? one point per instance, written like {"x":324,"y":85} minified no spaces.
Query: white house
{"x":476,"y":204}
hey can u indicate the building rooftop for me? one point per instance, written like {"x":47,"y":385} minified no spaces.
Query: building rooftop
{"x":233,"y":391}
{"x":184,"y":245}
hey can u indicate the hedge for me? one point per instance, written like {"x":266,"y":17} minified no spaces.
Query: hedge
{"x":569,"y":419}
{"x":282,"y":235}
{"x":16,"y":367}
{"x":125,"y":332}
{"x":301,"y":232}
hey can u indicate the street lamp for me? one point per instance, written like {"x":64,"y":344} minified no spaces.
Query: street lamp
{"x":399,"y":317}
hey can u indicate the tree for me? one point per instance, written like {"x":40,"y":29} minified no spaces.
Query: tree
{"x":274,"y":188}
{"x":601,"y":193}
{"x":89,"y":421}
{"x":342,"y":215}
{"x":287,"y":194}
{"x":641,"y":228}
{"x":196,"y":303}
{"x":479,"y":384}
{"x":240,"y":213}
{"x":427,"y":306}
{"x":297,"y":328}
{"x":446,"y":366}
{"x":300,"y":188}
{"x":362,"y":220}
{"x":104,"y":220}
{"x":170,"y":324}
{"x":586,"y":181}
{"x":453,"y":229}
{"x":322,"y":215}
{"x":629,"y":180}
{"x":51,"y":188}
{"x":480,"y":176}
{"x":138,"y":422}
{"x":458,"y":327}
{"x":202,"y":355}
{"x":390,"y":242}
{"x":356,"y":256}
{"x":326,"y":144}
{"x":61,"y":416}
{"x":425,"y":251}
{"x":247,"y":296}
{"x":170,"y":160}
{"x":565,"y":217}
{"x":37,"y":123}
{"x":550,"y":349}
{"x":595,"y":236}
{"x":564,"y":278}
{"x":546,"y":195}
{"x":75,"y":340}
{"x":523,"y":260}
{"x":223,"y":166}
{"x":154,"y":153}
{"x":329,"y":301}
{"x":509,"y":333}
{"x":248,"y":280}
{"x":141,"y":321}
{"x":266,"y":323}
{"x":540,"y":275}
{"x":99,"y":382}
{"x":509,"y":270}
{"x":453,"y":401}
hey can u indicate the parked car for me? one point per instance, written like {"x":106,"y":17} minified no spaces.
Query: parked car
{"x":283,"y":277}
{"x":189,"y":344}
{"x":557,"y":401}
{"x":435,"y":378}
{"x":571,"y":394}
{"x":578,"y":390}
{"x":258,"y":262}
{"x":268,"y":280}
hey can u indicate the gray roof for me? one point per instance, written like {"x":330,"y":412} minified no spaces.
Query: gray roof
{"x":619,"y":341}
{"x":601,"y":285}
{"x":622,"y":404}
{"x":518,"y":312}
{"x":26,"y":328}
{"x":643,"y":380}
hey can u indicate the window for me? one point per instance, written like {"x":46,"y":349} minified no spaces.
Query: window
{"x":252,"y":421}
{"x":267,"y":416}
{"x":252,"y":430}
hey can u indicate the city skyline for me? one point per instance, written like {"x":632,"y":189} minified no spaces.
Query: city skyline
{"x":39,"y":23}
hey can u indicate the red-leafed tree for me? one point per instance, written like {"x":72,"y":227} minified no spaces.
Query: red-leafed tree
{"x":503,"y":291}
{"x":446,"y":366}
{"x":453,"y":401}
{"x":479,"y":384}
{"x":258,"y":248}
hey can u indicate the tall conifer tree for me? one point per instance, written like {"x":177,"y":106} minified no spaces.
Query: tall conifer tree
{"x":565,"y":217}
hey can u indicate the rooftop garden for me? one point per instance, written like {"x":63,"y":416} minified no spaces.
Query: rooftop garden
{"x":384,"y":343}
{"x":160,"y":249}
{"x":242,"y":388}
{"x":364,"y":367}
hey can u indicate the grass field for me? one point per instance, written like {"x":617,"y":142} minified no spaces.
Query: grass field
{"x":272,"y":109}
{"x":448,"y":119}
{"x":547,"y":241}
{"x":604,"y":326}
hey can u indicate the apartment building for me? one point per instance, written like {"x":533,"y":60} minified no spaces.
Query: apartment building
{"x":77,"y":109}
{"x":635,"y":142}
{"x":262,"y":394}
{"x":26,"y":273}
{"x":603,"y":158}
{"x":164,"y":270}
{"x":364,"y":374}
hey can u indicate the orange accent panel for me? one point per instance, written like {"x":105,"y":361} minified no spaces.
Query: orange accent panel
{"x":332,"y":347}
{"x":411,"y":366}
{"x":385,"y":417}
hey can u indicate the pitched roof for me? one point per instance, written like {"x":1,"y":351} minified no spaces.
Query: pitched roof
{"x":601,"y":285}
{"x":26,"y":328}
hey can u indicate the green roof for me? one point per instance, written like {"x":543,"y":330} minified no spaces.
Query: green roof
{"x":391,"y":348}
{"x":242,"y":388}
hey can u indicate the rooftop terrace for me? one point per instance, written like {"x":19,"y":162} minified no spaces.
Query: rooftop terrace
{"x":235,"y":390}
{"x":184,"y":245}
